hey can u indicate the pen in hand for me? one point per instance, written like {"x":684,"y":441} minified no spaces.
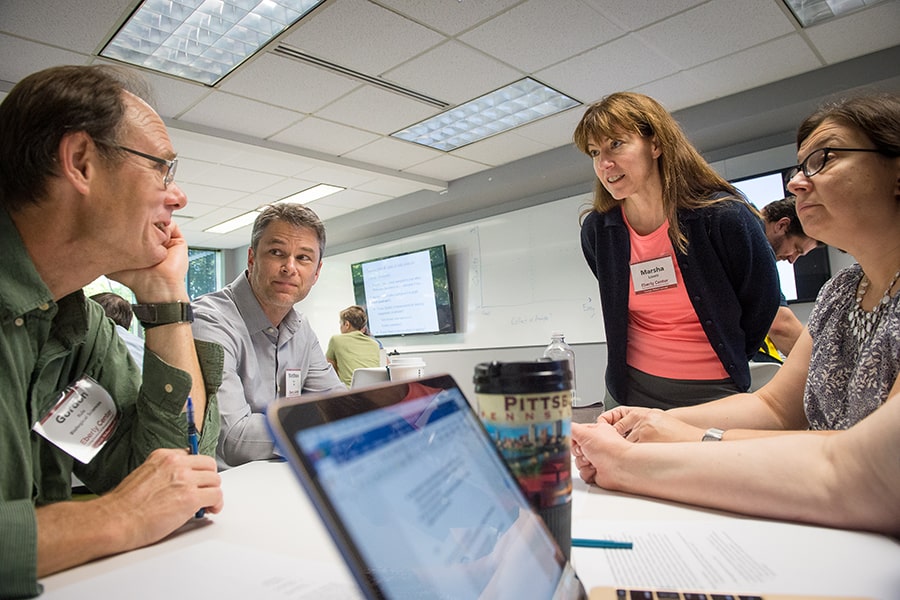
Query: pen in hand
{"x":193,"y":440}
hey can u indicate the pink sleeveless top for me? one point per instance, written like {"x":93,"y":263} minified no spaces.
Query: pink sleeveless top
{"x":665,"y":338}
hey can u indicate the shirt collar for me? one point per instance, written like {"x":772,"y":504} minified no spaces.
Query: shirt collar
{"x":22,"y":289}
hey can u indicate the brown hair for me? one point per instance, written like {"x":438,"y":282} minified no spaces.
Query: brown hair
{"x":116,"y":308}
{"x":876,"y":115}
{"x":356,"y":316}
{"x":687,"y":180}
{"x":293,"y":214}
{"x":44,"y":107}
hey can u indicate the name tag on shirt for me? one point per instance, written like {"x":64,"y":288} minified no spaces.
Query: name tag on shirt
{"x":292,"y":382}
{"x":81,"y":421}
{"x":653,"y":275}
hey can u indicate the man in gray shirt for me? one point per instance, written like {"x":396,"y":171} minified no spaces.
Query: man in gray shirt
{"x":270,"y":349}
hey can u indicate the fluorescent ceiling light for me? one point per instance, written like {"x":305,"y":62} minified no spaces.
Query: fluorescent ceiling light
{"x":305,"y":197}
{"x":809,"y":12}
{"x":310,"y":194}
{"x":518,"y":103}
{"x":235,"y":223}
{"x":201,"y":40}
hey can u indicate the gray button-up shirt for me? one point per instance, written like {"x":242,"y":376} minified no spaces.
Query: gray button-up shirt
{"x":257,"y":356}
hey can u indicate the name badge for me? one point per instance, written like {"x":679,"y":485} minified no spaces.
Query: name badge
{"x":292,"y":382}
{"x":81,"y":421}
{"x":653,"y":275}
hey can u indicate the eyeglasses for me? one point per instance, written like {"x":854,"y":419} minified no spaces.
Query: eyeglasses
{"x":816,"y":160}
{"x":170,"y":165}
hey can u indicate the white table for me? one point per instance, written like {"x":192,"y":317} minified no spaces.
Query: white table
{"x":267,"y":511}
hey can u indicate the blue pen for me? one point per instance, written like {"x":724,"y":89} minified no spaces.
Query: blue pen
{"x":586,"y":543}
{"x":193,"y":439}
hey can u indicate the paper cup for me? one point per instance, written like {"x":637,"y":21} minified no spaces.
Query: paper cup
{"x":401,"y":368}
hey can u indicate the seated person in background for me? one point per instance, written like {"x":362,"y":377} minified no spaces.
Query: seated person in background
{"x":688,"y":283}
{"x":843,"y":373}
{"x":76,"y":203}
{"x":270,"y":349}
{"x":119,"y":310}
{"x":789,"y":242}
{"x":352,"y":349}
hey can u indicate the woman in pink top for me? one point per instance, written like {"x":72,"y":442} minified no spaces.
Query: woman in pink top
{"x":688,"y":282}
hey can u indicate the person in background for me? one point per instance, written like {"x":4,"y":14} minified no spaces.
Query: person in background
{"x":119,"y":310}
{"x":352,"y":349}
{"x":841,"y":380}
{"x":688,"y":283}
{"x":270,"y":349}
{"x":789,"y":242}
{"x":86,"y":189}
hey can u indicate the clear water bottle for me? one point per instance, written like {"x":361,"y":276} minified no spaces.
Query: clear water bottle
{"x":560,"y":350}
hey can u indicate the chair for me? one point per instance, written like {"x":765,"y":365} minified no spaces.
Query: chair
{"x":368,"y":376}
{"x":761,"y":373}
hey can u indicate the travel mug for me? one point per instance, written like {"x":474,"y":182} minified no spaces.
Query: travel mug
{"x":526,"y":408}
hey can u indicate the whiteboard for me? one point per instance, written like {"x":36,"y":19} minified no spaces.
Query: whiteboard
{"x":516,"y":278}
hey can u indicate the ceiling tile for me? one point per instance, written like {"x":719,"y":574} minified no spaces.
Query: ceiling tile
{"x":228,"y":112}
{"x":464,"y":73}
{"x":619,"y":65}
{"x":338,"y":30}
{"x":289,"y":83}
{"x":537,"y":33}
{"x":632,"y":15}
{"x":393,"y":153}
{"x":324,"y":136}
{"x":553,"y":131}
{"x":756,"y":66}
{"x":674,"y":92}
{"x":378,"y":110}
{"x":353,"y":199}
{"x":31,"y":58}
{"x":83,"y":27}
{"x":856,"y":34}
{"x":500,"y":149}
{"x":725,"y":30}
{"x":449,"y":17}
{"x":447,"y":167}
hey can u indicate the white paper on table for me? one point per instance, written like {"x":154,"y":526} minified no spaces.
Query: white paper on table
{"x":748,"y":556}
{"x":219,"y":570}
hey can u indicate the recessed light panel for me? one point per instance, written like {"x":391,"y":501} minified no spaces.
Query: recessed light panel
{"x":516,"y":104}
{"x":201,"y":40}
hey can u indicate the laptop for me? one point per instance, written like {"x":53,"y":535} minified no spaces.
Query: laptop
{"x":415,"y":495}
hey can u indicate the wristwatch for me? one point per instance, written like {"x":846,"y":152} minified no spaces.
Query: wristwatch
{"x":713,"y":434}
{"x":154,"y":315}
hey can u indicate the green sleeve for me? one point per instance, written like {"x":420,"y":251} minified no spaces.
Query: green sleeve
{"x":18,"y":550}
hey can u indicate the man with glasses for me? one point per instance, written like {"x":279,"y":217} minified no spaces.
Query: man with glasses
{"x":86,"y":189}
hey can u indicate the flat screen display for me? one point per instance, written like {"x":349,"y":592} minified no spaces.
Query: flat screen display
{"x":800,"y":282}
{"x":406,"y":294}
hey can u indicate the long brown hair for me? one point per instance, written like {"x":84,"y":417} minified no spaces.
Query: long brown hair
{"x":687,"y":180}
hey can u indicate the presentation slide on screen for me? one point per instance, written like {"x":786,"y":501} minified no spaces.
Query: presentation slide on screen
{"x":400,"y":295}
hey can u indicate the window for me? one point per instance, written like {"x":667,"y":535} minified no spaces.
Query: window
{"x":205,"y":274}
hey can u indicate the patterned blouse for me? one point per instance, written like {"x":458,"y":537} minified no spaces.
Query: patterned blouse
{"x":848,"y":380}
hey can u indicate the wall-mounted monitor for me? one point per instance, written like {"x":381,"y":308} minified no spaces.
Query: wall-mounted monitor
{"x":407,"y":293}
{"x":801,"y":281}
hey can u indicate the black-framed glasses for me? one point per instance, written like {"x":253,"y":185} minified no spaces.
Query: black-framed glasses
{"x":816,"y":160}
{"x":170,"y":165}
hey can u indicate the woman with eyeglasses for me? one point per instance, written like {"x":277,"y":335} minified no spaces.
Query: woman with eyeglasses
{"x":687,"y":279}
{"x":840,"y":381}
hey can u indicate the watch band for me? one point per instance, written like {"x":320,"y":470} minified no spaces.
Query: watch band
{"x":713,"y":434}
{"x":154,"y":315}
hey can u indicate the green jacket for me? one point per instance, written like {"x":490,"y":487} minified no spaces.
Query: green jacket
{"x":44,"y":347}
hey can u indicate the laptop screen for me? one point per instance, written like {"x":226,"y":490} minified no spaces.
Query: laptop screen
{"x":414,"y":490}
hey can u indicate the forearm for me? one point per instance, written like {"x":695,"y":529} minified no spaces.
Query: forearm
{"x":73,"y":533}
{"x":247,"y":440}
{"x":174,"y":344}
{"x":740,"y":411}
{"x":785,"y":330}
{"x":798,"y":477}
